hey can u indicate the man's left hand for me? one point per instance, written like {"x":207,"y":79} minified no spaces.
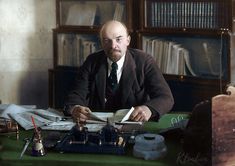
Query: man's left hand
{"x":141,"y":114}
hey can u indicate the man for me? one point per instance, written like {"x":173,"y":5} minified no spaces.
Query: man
{"x":134,"y":81}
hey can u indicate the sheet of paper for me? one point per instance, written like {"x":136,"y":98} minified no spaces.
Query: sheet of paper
{"x":59,"y":125}
{"x":120,"y":114}
{"x":126,"y":117}
{"x":47,"y":119}
{"x":49,"y":114}
{"x":12,"y":108}
{"x":25,"y":121}
{"x":103,"y":116}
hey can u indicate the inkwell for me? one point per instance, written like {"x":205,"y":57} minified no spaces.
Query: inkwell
{"x":79,"y":132}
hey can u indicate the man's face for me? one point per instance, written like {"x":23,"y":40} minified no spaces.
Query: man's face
{"x":115,"y":41}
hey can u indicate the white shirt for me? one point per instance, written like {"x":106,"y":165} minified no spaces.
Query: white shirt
{"x":120,"y":63}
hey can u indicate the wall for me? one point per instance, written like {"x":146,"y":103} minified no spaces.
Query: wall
{"x":26,"y":50}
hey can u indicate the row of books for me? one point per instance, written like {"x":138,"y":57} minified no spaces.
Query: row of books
{"x":173,"y":56}
{"x":185,"y":14}
{"x":119,"y":11}
{"x":170,"y":56}
{"x":73,"y":49}
{"x":88,"y":13}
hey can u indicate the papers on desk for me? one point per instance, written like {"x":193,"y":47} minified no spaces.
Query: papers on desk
{"x":121,"y":116}
{"x":49,"y":119}
{"x":6,"y":109}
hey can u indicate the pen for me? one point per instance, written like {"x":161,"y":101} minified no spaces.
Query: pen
{"x":35,"y":127}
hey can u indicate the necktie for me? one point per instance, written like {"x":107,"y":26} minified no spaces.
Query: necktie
{"x":113,"y":76}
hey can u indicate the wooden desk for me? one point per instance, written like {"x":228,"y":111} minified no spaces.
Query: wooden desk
{"x":12,"y":149}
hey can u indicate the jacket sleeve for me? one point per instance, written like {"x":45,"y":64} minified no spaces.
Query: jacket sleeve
{"x":161,"y":99}
{"x":79,"y":89}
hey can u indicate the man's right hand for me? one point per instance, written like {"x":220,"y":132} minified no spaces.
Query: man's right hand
{"x":80,"y":113}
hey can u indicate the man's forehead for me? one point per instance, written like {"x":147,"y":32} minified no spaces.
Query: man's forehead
{"x":113,"y":36}
{"x":115,"y":29}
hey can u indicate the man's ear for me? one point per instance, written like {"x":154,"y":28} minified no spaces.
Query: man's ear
{"x":128,"y":39}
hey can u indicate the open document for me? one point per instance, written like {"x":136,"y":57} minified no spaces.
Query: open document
{"x":120,"y":117}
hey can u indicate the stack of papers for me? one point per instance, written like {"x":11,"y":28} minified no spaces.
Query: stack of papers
{"x":48,"y":119}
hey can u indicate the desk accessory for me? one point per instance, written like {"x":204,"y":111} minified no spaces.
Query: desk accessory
{"x":79,"y":140}
{"x":149,"y":146}
{"x":51,"y":138}
{"x":27,"y":142}
{"x":8,"y":126}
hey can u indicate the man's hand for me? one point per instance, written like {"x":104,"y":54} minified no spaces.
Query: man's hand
{"x":141,"y":114}
{"x":80,"y":113}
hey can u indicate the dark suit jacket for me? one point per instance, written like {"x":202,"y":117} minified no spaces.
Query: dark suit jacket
{"x":141,"y":83}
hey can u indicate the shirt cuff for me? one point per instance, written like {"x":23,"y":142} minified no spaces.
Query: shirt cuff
{"x":155,"y":115}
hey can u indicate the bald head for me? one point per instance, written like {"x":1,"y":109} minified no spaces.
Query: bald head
{"x":114,"y":39}
{"x":111,"y":26}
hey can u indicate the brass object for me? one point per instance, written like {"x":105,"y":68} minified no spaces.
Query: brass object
{"x":37,"y":147}
{"x":9,"y":126}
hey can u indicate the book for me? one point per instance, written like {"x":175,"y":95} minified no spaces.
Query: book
{"x":119,"y":10}
{"x":85,"y":13}
{"x":120,"y":116}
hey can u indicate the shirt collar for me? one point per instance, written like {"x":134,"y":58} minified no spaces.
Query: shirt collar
{"x":120,"y":62}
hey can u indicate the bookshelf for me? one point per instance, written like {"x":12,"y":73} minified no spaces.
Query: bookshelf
{"x":190,"y":40}
{"x":181,"y":55}
{"x":72,"y":46}
{"x":78,"y":23}
{"x":197,"y":14}
{"x":91,"y":13}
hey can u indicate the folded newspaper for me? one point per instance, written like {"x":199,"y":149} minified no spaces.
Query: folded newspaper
{"x":49,"y":119}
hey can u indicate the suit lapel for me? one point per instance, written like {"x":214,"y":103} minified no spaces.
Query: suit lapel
{"x":100,"y":81}
{"x":126,"y":81}
{"x":127,"y":78}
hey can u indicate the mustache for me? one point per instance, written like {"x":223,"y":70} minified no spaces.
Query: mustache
{"x":114,"y":50}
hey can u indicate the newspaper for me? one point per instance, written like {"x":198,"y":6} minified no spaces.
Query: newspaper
{"x":49,"y":119}
{"x":5,"y":109}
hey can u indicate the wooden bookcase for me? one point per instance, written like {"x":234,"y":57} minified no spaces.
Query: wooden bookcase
{"x":189,"y":39}
{"x":78,"y":24}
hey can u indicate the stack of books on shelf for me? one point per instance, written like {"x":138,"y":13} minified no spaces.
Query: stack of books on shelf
{"x":73,"y":49}
{"x":170,"y":56}
{"x":119,"y":10}
{"x":81,"y":14}
{"x":185,"y":14}
{"x":89,"y":13}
